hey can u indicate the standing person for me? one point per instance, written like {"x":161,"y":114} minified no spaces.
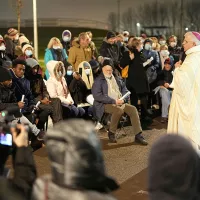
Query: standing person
{"x":80,"y":51}
{"x":111,"y":49}
{"x":126,"y":36}
{"x":137,"y":82}
{"x":174,"y":49}
{"x":11,"y":38}
{"x":184,"y":115}
{"x":66,"y":40}
{"x":92,"y":46}
{"x":27,"y":52}
{"x":55,"y":52}
{"x":4,"y":59}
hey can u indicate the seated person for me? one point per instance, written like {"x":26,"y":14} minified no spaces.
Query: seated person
{"x":48,"y":106}
{"x":69,"y":75}
{"x":8,"y":99}
{"x":95,"y":68}
{"x":107,"y":91}
{"x":57,"y":88}
{"x":21,"y":86}
{"x":165,"y":78}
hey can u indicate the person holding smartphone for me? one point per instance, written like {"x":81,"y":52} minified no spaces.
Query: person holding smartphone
{"x":20,"y":187}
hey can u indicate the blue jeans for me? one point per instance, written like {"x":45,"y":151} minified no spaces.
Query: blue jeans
{"x":166,"y":99}
{"x":72,"y":111}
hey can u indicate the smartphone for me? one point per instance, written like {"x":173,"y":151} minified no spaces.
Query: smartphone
{"x":6,"y":139}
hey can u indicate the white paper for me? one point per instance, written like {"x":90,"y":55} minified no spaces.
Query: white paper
{"x":127,"y":94}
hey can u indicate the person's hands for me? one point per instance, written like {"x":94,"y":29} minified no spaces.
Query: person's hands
{"x":45,"y":101}
{"x":77,"y":76}
{"x":166,"y":85}
{"x":20,"y":104}
{"x":132,"y":56}
{"x":178,"y":64}
{"x":119,"y":102}
{"x":21,"y":139}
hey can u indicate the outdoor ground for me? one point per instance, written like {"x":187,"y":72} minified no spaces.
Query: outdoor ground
{"x":126,"y":161}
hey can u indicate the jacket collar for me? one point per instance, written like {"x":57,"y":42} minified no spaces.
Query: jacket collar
{"x":193,"y":50}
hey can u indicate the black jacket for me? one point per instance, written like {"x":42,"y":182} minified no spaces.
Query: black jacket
{"x":20,"y":187}
{"x":7,"y":98}
{"x":137,"y":78}
{"x":10,"y":48}
{"x":175,"y":52}
{"x":164,"y":76}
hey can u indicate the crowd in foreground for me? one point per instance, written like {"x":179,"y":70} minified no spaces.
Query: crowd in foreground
{"x":128,"y":76}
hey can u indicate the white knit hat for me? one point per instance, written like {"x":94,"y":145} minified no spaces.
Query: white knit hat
{"x":25,"y":47}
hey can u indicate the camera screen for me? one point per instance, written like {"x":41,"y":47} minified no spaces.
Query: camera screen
{"x":6,"y":139}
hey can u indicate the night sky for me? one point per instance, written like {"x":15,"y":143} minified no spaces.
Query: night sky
{"x":91,"y":9}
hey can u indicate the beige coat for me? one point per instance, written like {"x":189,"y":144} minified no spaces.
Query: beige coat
{"x":184,"y":115}
{"x":77,"y":54}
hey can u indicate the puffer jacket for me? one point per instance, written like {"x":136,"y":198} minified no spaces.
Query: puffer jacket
{"x":56,"y":88}
{"x":78,"y":170}
{"x":77,"y":54}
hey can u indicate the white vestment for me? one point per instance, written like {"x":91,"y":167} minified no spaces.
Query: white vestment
{"x":184,"y":114}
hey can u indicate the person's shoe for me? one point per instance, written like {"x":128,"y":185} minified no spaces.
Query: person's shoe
{"x":40,"y":136}
{"x":163,"y":120}
{"x":140,"y":139}
{"x":111,"y":137}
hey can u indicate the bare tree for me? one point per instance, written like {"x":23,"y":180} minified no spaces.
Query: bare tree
{"x":129,"y":20}
{"x":17,"y":6}
{"x":112,"y":19}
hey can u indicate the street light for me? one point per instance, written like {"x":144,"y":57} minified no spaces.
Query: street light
{"x":186,"y":29}
{"x":138,"y":28}
{"x":35,"y":28}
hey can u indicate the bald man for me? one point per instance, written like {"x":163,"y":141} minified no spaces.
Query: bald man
{"x":184,"y":115}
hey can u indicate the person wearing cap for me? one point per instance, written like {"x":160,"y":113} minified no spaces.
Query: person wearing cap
{"x":80,"y":51}
{"x":4,"y":59}
{"x":184,"y":115}
{"x":95,"y":68}
{"x":111,"y":49}
{"x":10,"y":39}
{"x":27,"y":51}
{"x":107,"y":91}
{"x":78,"y":168}
{"x":164,"y":80}
{"x":66,"y":40}
{"x":126,"y":36}
{"x":8,"y":99}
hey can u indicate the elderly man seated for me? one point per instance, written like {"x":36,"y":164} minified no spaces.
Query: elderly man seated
{"x":107,"y":91}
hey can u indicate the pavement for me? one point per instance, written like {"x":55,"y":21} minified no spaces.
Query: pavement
{"x":125,"y":161}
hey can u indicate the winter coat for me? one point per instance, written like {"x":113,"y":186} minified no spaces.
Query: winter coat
{"x":78,"y":91}
{"x":111,"y":51}
{"x":175,"y":52}
{"x":66,"y":46}
{"x":20,"y":186}
{"x":10,"y":48}
{"x":100,"y":94}
{"x":22,"y":87}
{"x":164,"y":76}
{"x":7,"y":98}
{"x":77,"y":54}
{"x":184,"y":115}
{"x":5,"y":60}
{"x":137,"y":78}
{"x":50,"y":54}
{"x":56,"y":88}
{"x":78,"y":169}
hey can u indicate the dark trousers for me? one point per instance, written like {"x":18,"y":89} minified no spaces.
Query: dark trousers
{"x":72,"y":111}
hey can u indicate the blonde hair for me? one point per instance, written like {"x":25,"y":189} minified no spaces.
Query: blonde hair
{"x":52,"y":40}
{"x":136,"y":41}
{"x":154,"y":39}
{"x":83,"y":35}
{"x":163,"y":47}
{"x":90,"y":34}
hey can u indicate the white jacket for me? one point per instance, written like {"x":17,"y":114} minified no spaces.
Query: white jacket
{"x":55,"y":87}
{"x":184,"y":115}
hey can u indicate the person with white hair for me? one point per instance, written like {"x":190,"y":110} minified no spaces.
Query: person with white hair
{"x":184,"y":114}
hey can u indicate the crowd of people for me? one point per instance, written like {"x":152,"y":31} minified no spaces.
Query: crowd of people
{"x":127,"y":77}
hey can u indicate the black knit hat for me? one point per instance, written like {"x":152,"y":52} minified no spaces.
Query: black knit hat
{"x":110,"y":34}
{"x":4,"y":75}
{"x":94,"y":64}
{"x":107,"y":61}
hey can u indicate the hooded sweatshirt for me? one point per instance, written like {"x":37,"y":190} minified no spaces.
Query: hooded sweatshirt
{"x":77,"y":164}
{"x":174,"y":170}
{"x":57,"y":86}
